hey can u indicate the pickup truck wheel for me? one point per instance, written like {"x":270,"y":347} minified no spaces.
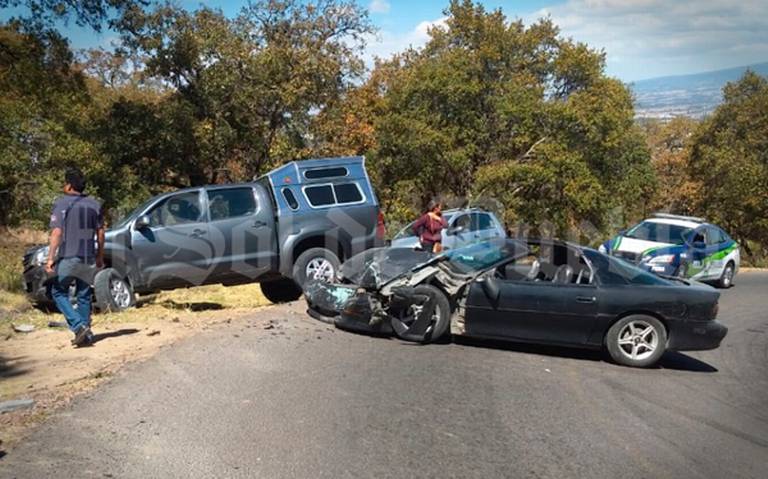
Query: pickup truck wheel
{"x":112,"y":291}
{"x":316,"y":263}
{"x":281,"y":291}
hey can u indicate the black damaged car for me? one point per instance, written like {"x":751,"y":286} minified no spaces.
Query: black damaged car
{"x":533,"y":291}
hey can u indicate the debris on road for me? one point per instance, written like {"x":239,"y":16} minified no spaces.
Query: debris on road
{"x":23,"y":328}
{"x":15,"y":404}
{"x":154,"y":332}
{"x":57,"y":324}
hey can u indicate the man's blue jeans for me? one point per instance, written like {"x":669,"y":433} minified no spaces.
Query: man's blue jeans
{"x":77,"y":271}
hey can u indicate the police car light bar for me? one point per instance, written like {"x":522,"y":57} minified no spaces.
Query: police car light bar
{"x":695,"y":219}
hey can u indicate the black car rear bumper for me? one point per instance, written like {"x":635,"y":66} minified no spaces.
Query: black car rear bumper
{"x":696,"y":335}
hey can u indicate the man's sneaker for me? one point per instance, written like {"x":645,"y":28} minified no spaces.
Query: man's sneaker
{"x":81,"y":336}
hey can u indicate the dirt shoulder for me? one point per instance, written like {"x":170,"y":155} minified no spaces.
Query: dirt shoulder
{"x":43,"y":366}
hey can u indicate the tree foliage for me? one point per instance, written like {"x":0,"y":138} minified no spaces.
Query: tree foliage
{"x":729,"y":157}
{"x":490,"y":107}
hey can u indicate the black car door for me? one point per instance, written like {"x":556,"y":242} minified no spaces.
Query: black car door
{"x":538,"y":311}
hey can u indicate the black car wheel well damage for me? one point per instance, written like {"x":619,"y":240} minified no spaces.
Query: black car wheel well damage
{"x":639,"y":312}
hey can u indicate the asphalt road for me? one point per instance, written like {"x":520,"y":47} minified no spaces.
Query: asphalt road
{"x":304,"y":400}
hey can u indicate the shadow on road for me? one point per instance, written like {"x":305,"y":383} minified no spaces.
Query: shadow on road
{"x":195,"y":307}
{"x":681,"y":362}
{"x":10,"y":367}
{"x":114,"y":334}
{"x":672,"y":360}
{"x":541,"y":350}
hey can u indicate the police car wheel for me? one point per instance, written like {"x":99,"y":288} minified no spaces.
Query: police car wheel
{"x":726,"y":279}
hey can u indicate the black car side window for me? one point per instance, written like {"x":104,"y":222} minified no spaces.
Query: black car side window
{"x":175,"y":210}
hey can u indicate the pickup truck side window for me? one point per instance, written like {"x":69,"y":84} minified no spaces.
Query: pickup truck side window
{"x":290,"y":199}
{"x":321,"y":195}
{"x":231,"y":203}
{"x":348,"y":193}
{"x":325,"y":173}
{"x":176,"y":210}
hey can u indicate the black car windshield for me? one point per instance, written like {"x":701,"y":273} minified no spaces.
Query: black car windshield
{"x":611,"y":270}
{"x":480,"y":256}
{"x":659,"y":232}
{"x":408,"y":232}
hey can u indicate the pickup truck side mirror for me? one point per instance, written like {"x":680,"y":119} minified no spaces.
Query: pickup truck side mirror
{"x":454,"y":230}
{"x":142,"y":222}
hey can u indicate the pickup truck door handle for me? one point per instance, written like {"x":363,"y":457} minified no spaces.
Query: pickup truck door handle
{"x":259,"y":224}
{"x":585,"y":299}
{"x":196,"y":233}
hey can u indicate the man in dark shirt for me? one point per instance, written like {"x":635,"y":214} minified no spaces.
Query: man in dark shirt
{"x":76,"y":223}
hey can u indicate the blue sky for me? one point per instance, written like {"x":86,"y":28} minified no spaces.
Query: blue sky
{"x":641,"y":38}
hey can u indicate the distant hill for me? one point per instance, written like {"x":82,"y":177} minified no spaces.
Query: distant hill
{"x":692,"y":95}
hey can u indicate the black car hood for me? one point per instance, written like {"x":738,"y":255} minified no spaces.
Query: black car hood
{"x":376,"y":267}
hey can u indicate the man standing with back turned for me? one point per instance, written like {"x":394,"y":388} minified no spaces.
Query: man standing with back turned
{"x":76,"y":221}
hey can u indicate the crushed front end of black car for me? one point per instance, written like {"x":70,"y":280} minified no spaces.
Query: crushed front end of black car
{"x":376,"y":291}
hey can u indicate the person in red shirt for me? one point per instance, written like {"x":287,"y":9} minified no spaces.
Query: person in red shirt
{"x":429,"y":228}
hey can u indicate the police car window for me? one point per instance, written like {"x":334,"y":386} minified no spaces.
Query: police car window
{"x":321,"y":195}
{"x":176,"y":210}
{"x":715,"y":236}
{"x":231,"y":203}
{"x":659,"y":232}
{"x":348,"y":193}
{"x":290,"y":198}
{"x":698,"y":236}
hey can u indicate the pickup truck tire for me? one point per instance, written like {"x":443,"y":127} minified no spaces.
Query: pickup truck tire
{"x":112,"y":291}
{"x":281,"y":290}
{"x":315,"y":263}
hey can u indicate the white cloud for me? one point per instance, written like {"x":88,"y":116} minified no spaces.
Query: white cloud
{"x":647,"y":38}
{"x":386,"y":43}
{"x":379,"y":6}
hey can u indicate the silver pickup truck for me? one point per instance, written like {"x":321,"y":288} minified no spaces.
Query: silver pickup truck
{"x":295,"y":223}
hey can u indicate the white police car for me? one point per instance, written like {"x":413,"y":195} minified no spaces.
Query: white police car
{"x":682,"y":246}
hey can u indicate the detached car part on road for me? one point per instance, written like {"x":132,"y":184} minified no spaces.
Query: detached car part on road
{"x":293,"y":224}
{"x":535,"y":291}
{"x":683,"y":246}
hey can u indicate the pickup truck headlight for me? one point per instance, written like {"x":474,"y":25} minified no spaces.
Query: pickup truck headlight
{"x":40,"y":257}
{"x":661,"y":259}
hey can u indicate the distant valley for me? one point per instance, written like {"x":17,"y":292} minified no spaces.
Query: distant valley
{"x":693,"y":95}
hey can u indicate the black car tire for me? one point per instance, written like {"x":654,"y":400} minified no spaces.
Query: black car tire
{"x":726,"y":279}
{"x":323,"y":257}
{"x":281,"y":291}
{"x":622,"y":345}
{"x":112,"y":291}
{"x":443,"y":307}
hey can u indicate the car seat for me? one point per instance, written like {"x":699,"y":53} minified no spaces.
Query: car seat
{"x":563,"y":275}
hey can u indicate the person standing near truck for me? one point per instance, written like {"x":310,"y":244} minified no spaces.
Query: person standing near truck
{"x":77,"y":222}
{"x":429,"y":228}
